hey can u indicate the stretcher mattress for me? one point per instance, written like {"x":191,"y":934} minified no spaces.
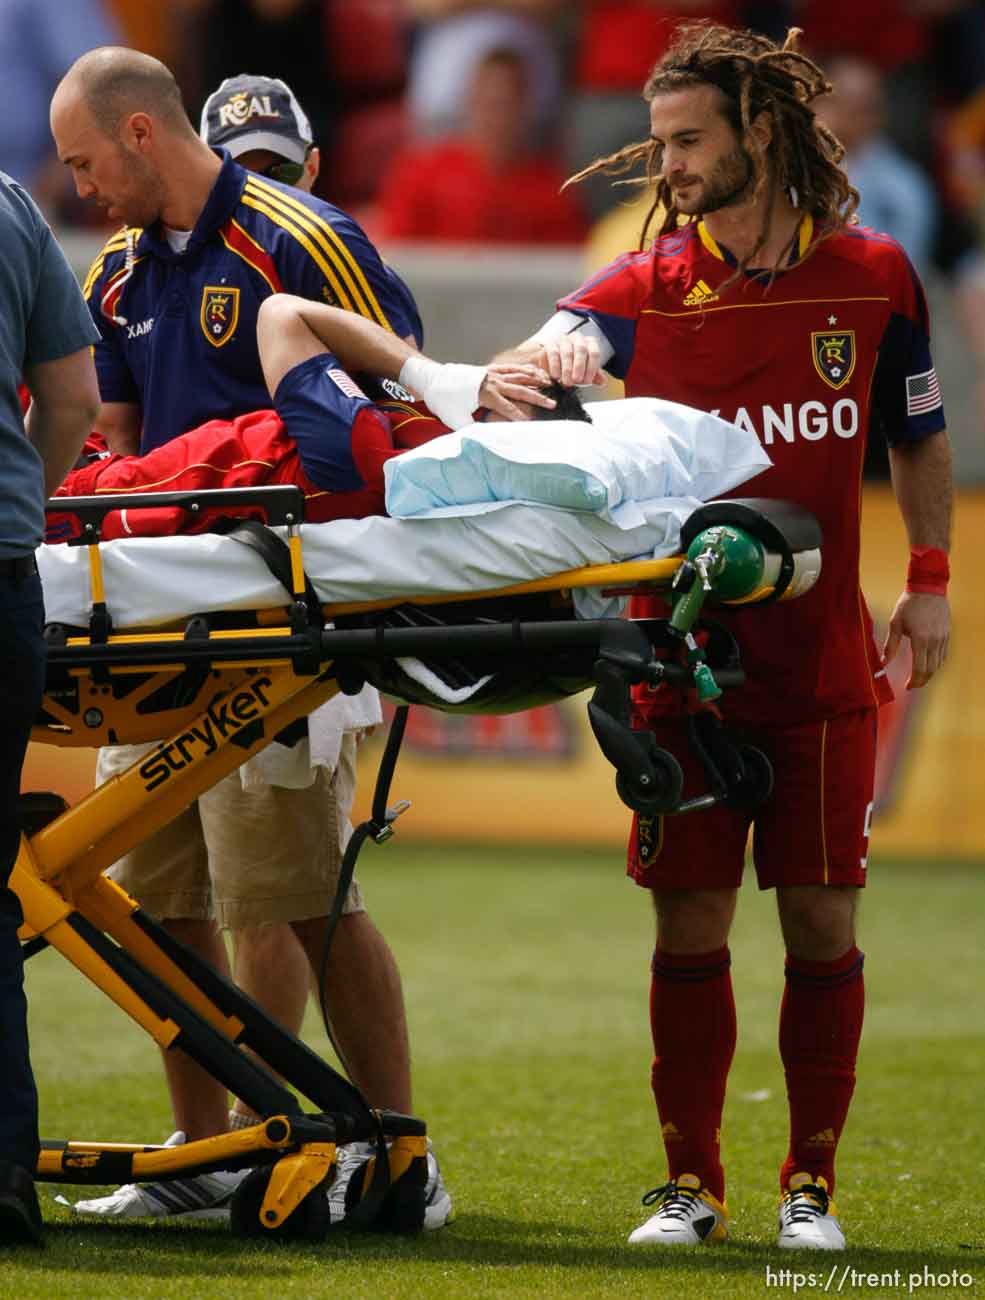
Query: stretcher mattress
{"x":152,"y":581}
{"x":649,"y":464}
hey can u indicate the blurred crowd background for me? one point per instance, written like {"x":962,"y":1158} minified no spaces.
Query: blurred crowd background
{"x":455,"y":122}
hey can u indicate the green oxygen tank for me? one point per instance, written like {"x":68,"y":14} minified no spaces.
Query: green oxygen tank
{"x":726,"y":563}
{"x":736,"y":563}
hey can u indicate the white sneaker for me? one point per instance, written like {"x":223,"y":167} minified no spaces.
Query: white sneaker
{"x":353,"y":1155}
{"x":437,"y":1203}
{"x":688,"y":1216}
{"x":202,"y":1196}
{"x":808,"y":1219}
{"x":349,"y":1159}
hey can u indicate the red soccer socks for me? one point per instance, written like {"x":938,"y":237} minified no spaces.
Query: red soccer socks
{"x":692,"y":1019}
{"x":820,"y":1027}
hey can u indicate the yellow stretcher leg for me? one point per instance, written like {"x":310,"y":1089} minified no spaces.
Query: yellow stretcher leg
{"x":52,"y":916}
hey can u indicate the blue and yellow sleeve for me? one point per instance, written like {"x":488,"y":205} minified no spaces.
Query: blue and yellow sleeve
{"x":101,"y":290}
{"x":324,"y":255}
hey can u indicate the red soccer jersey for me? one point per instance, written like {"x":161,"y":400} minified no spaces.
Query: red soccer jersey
{"x":250,"y":451}
{"x":835,"y":348}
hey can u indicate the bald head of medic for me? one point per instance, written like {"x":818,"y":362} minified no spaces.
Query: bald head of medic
{"x":119,"y":124}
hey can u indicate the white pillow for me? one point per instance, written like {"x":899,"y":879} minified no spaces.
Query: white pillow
{"x":636,"y":449}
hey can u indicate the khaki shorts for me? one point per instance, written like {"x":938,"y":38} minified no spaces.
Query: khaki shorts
{"x":244,"y":857}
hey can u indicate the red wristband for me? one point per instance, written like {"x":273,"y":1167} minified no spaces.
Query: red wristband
{"x":928,"y":572}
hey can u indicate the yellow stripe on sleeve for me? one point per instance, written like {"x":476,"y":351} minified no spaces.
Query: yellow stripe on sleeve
{"x":115,"y":243}
{"x":316,"y":256}
{"x":95,"y":271}
{"x":330,"y":241}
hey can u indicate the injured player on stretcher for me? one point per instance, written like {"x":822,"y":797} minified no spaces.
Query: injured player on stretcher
{"x":328,"y":432}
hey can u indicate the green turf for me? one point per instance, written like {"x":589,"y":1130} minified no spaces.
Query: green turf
{"x":526,"y":981}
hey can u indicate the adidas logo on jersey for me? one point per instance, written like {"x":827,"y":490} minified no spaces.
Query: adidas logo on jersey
{"x":700,"y":293}
{"x":670,"y":1132}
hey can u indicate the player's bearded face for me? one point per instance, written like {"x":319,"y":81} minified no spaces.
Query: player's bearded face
{"x":730,"y":180}
{"x":702,"y":159}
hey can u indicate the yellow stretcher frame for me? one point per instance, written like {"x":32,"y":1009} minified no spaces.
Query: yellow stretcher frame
{"x":259,"y":680}
{"x":221,"y":693}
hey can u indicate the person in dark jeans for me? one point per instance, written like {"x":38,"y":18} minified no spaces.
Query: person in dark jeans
{"x":45,"y":337}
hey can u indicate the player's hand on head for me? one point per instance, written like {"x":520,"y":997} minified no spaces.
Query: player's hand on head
{"x":573,"y":359}
{"x":510,"y":389}
{"x":925,"y":620}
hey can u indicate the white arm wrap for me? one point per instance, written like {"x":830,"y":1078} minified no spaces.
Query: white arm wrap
{"x":451,"y":391}
{"x":569,"y":322}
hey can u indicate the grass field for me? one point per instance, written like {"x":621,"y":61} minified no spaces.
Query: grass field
{"x":526,"y":980}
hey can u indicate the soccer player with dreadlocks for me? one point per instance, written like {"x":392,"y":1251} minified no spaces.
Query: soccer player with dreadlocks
{"x":762,"y":301}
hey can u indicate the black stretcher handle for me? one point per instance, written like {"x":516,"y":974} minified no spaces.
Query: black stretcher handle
{"x":506,"y":641}
{"x":281,"y":503}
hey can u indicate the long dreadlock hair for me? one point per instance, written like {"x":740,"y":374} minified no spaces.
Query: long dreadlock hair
{"x":754,"y":75}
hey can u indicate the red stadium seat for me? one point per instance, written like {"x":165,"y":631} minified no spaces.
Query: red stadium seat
{"x":367,"y":45}
{"x":367,"y":140}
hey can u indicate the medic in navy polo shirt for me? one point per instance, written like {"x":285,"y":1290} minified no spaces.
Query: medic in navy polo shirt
{"x":175,"y":294}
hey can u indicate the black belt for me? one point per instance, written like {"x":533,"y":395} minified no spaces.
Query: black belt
{"x":18,"y":568}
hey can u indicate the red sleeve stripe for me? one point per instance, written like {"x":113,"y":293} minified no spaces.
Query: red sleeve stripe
{"x":114,"y":287}
{"x":239,"y":242}
{"x":115,"y":244}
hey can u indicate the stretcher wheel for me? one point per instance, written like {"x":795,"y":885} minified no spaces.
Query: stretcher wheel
{"x":756,"y":785}
{"x":662,"y":795}
{"x":309,"y":1222}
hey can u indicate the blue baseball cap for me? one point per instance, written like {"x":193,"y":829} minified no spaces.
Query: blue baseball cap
{"x":249,"y":112}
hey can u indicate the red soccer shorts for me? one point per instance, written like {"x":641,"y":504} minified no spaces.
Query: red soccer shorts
{"x":813,"y":829}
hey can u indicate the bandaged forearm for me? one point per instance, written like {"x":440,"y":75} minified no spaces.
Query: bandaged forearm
{"x":450,"y":391}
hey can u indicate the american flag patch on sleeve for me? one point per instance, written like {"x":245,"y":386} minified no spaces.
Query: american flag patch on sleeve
{"x":923,"y":393}
{"x":347,"y":384}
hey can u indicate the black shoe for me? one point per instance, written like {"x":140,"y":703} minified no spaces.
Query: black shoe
{"x":20,"y":1214}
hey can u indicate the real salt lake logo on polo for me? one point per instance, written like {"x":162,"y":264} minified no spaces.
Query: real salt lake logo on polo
{"x":219,"y":315}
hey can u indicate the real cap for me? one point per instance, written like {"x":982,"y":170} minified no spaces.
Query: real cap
{"x":249,"y":112}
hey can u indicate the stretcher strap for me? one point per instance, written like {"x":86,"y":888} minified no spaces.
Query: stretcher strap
{"x":379,"y":827}
{"x":276,"y":555}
